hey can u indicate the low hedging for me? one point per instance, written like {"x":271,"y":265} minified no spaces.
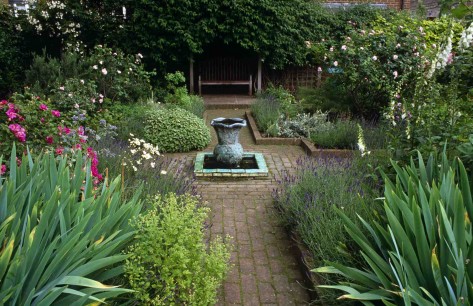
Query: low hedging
{"x":174,"y":129}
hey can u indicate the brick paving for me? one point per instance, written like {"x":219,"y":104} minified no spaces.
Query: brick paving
{"x":264,"y":266}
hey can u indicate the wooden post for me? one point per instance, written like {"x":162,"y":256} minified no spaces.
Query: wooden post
{"x":260,"y":68}
{"x":200,"y":86}
{"x":191,"y":75}
{"x":251,"y":85}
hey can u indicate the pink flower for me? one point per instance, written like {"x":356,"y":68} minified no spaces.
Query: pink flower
{"x":395,"y":74}
{"x":3,"y":102}
{"x":66,"y":130}
{"x":319,"y":69}
{"x":77,"y":146}
{"x":11,"y":112}
{"x":61,"y":88}
{"x":43,"y":107}
{"x":335,"y":63}
{"x":395,"y":57}
{"x":56,"y":113}
{"x":80,"y":131}
{"x":18,"y":131}
{"x":3,"y":169}
{"x":49,"y":139}
{"x":42,"y":120}
{"x":104,"y":71}
{"x":374,"y":58}
{"x":59,"y":150}
{"x":344,"y":47}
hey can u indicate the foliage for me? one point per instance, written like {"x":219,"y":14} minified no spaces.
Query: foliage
{"x":177,"y":94}
{"x":274,"y":104}
{"x":62,"y":238}
{"x":11,"y":61}
{"x":303,"y":125}
{"x":373,"y":62}
{"x":418,"y":251}
{"x":266,"y":113}
{"x":306,"y":199}
{"x":326,"y":98}
{"x":114,"y":76}
{"x":175,"y":130}
{"x":342,"y":134}
{"x":169,"y":263}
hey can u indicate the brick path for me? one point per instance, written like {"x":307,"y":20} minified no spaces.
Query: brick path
{"x":264,"y":267}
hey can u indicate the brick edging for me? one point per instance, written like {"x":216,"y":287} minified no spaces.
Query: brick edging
{"x":306,"y":144}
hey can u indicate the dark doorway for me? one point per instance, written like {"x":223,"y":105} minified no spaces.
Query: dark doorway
{"x":225,"y":69}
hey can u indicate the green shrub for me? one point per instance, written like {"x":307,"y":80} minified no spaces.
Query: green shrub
{"x":419,"y":251}
{"x":266,"y":113}
{"x":170,"y":263}
{"x":305,"y":200}
{"x":175,"y":130}
{"x":61,"y":238}
{"x":339,"y":135}
{"x":196,"y":106}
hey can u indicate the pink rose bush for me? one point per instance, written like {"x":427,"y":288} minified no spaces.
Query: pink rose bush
{"x":27,"y":122}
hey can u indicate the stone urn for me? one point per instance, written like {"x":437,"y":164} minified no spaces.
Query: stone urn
{"x":228,"y":151}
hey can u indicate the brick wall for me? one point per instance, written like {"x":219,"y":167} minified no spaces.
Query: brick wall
{"x":394,"y":4}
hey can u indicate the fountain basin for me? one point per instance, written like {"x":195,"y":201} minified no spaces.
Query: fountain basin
{"x":252,"y":165}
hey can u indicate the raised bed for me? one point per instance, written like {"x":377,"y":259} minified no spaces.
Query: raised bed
{"x":306,"y":144}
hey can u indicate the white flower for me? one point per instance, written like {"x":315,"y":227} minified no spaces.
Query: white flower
{"x":466,"y":38}
{"x":76,"y":105}
{"x":344,"y":47}
{"x":100,"y":95}
{"x":146,"y":155}
{"x":70,"y":95}
{"x":362,"y":48}
{"x":82,"y":81}
{"x":130,"y":69}
{"x":395,"y":74}
{"x":335,"y":63}
{"x":164,"y":172}
{"x":119,"y":72}
{"x":138,"y":162}
{"x":100,"y":100}
{"x":331,"y":49}
{"x":319,"y":69}
{"x":61,"y":88}
{"x":139,"y":55}
{"x":132,"y":135}
{"x":398,"y":46}
{"x":101,"y":62}
{"x":95,"y":67}
{"x":132,"y":151}
{"x":308,"y":44}
{"x":153,"y":164}
{"x":92,"y":99}
{"x":374,"y":58}
{"x":104,"y":71}
{"x":395,"y":57}
{"x":134,"y":168}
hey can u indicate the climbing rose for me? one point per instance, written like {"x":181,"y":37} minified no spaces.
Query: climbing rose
{"x":104,"y":71}
{"x":49,"y":139}
{"x":43,"y":107}
{"x":3,"y":169}
{"x":56,"y":113}
{"x":335,"y":63}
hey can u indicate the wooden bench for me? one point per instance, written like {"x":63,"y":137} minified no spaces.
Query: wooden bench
{"x":227,"y":82}
{"x":226,"y":71}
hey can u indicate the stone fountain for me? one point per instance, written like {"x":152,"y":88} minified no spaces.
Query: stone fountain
{"x":228,"y":158}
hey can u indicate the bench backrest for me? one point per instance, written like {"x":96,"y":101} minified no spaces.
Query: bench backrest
{"x":225,"y":69}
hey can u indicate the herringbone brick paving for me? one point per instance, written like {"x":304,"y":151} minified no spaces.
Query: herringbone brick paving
{"x":264,"y":266}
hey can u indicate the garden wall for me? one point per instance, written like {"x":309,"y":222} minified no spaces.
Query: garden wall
{"x":394,"y":4}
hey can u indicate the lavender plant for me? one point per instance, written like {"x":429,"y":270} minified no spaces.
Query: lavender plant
{"x":306,"y":200}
